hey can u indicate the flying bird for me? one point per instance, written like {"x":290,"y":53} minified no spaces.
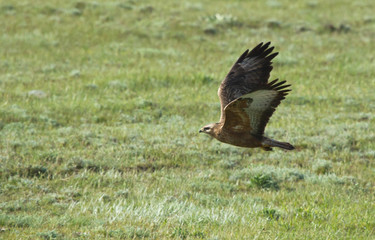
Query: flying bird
{"x":248,"y":101}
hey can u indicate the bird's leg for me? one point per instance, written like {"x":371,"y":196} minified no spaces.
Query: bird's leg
{"x":267,"y":148}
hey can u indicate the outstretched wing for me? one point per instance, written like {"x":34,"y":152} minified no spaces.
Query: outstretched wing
{"x":250,"y":72}
{"x":251,"y":112}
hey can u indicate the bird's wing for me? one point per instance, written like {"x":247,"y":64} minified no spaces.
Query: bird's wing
{"x":251,"y":112}
{"x":250,"y":72}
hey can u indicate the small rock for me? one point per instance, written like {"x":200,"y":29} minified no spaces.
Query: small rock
{"x":122,"y":193}
{"x":210,"y":31}
{"x":106,"y":198}
{"x":330,"y":27}
{"x":330,"y":57}
{"x":116,"y":84}
{"x":273,"y":24}
{"x":147,"y":9}
{"x":344,"y":28}
{"x":125,"y":6}
{"x":75,"y":73}
{"x":37,"y":93}
{"x":368,"y":19}
{"x":312,"y":4}
{"x":49,"y":68}
{"x":91,"y":86}
{"x":8,"y":7}
{"x":303,"y":29}
{"x":76,"y":12}
{"x":80,"y":5}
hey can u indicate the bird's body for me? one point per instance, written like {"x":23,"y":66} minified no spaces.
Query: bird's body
{"x":239,"y":139}
{"x":248,"y":100}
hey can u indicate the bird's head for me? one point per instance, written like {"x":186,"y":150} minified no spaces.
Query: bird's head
{"x":208,"y":129}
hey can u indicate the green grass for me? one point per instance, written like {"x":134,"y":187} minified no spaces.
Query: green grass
{"x":108,"y":145}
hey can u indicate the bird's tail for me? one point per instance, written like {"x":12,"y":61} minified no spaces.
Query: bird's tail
{"x":268,"y":142}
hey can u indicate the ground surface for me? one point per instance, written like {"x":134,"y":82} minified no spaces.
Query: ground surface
{"x":101,"y":103}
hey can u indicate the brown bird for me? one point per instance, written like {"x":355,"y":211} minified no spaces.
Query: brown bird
{"x":248,"y":101}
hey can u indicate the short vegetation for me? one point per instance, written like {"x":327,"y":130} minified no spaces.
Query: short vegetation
{"x":101,"y":103}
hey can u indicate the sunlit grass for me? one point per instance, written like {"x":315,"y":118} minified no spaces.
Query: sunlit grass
{"x":101,"y":103}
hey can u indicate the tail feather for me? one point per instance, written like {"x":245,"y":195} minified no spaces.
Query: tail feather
{"x":267,"y":143}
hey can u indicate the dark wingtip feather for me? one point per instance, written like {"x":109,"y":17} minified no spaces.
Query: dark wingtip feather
{"x":259,"y":45}
{"x":268,"y":51}
{"x":265,"y":46}
{"x":263,"y":51}
{"x":245,"y":53}
{"x":282,"y":87}
{"x":272,"y":56}
{"x":279,"y":86}
{"x":250,"y":76}
{"x":272,"y":82}
{"x":243,"y":56}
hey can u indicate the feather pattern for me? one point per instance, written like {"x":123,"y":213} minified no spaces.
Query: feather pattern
{"x":251,"y":112}
{"x":249,"y":72}
{"x":248,"y":101}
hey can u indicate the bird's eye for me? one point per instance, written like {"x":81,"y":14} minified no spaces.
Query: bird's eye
{"x":206,"y":128}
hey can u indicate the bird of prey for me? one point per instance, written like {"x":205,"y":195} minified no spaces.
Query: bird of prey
{"x":248,"y":101}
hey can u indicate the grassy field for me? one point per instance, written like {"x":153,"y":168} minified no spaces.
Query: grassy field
{"x":101,"y":103}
